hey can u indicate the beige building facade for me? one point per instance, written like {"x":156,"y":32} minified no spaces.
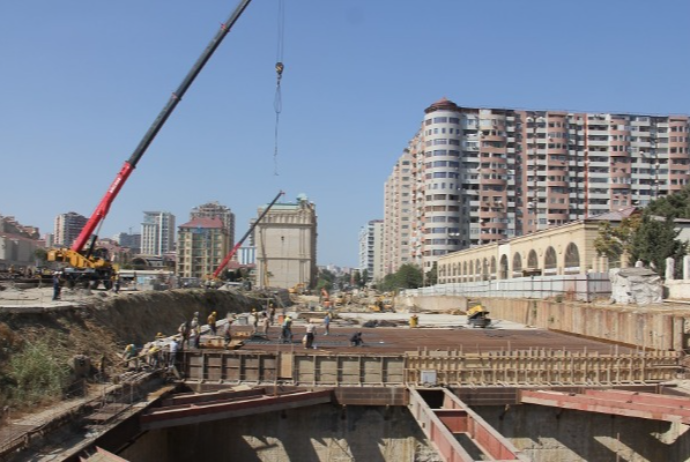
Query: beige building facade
{"x":285,"y":241}
{"x":560,"y":250}
{"x":202,"y":243}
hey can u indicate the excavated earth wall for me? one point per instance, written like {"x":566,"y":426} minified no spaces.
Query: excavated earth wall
{"x":103,"y":323}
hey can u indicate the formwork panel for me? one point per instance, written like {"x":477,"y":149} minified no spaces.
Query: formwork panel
{"x":195,"y":367}
{"x":394,"y":369}
{"x":326,"y":370}
{"x":349,"y":370}
{"x":251,"y":368}
{"x":268,"y":368}
{"x":233,"y":368}
{"x":373,"y":370}
{"x":304,"y":369}
{"x":214,"y":367}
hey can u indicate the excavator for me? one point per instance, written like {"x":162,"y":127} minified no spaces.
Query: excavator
{"x":82,"y":263}
{"x":478,"y":316}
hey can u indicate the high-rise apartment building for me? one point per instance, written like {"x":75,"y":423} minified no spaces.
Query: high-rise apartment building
{"x":398,"y":214}
{"x":216,"y":210}
{"x":285,"y":241}
{"x":67,"y":228}
{"x":201,"y":246}
{"x":484,"y":175}
{"x":157,"y":233}
{"x":371,"y":250}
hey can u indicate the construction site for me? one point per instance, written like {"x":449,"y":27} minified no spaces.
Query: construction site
{"x":92,"y":371}
{"x":426,"y":383}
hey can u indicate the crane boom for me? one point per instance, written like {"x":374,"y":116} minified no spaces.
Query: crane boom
{"x":246,"y":235}
{"x":104,"y":205}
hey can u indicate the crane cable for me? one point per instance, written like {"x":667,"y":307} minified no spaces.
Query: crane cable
{"x":278,"y":100}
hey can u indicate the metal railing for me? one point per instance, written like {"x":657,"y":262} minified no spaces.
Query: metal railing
{"x":584,"y":287}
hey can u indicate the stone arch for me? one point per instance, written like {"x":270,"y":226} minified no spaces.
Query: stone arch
{"x":532,"y":260}
{"x":478,"y":270}
{"x":504,"y":267}
{"x":517,"y":265}
{"x":572,"y":259}
{"x":486,"y":275}
{"x":464,"y":271}
{"x":492,"y":272}
{"x":550,"y":261}
{"x":470,"y":274}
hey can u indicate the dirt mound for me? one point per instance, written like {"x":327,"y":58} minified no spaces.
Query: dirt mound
{"x":105,"y":324}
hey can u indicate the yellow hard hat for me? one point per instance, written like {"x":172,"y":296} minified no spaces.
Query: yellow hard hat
{"x":214,"y":312}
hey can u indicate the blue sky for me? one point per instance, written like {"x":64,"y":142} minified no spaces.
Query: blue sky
{"x":82,"y":81}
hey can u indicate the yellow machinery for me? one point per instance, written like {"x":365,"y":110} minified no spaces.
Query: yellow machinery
{"x":477,"y":316}
{"x":297,"y":289}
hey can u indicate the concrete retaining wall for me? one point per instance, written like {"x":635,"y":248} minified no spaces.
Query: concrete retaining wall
{"x":318,"y":433}
{"x":647,"y":327}
{"x":548,"y":434}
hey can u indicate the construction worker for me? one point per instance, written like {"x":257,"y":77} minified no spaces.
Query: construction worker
{"x":286,"y":334}
{"x":130,"y":352}
{"x":152,"y":355}
{"x":265,"y":323}
{"x":211,"y":321}
{"x":160,"y":336}
{"x":311,"y":329}
{"x":356,"y":339}
{"x":255,"y":322}
{"x":56,"y":286}
{"x":271,"y":313}
{"x":327,"y":323}
{"x":183,"y":330}
{"x":173,"y":354}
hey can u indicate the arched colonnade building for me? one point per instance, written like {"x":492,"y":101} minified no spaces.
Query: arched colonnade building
{"x":560,"y":250}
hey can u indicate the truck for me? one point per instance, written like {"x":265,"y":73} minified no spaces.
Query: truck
{"x":82,"y":262}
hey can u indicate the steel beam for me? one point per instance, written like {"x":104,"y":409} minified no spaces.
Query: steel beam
{"x":441,"y":425}
{"x":627,"y":396}
{"x":186,"y":414}
{"x":101,"y":455}
{"x":627,"y":404}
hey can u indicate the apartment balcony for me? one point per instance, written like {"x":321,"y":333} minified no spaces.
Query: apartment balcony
{"x":557,"y":183}
{"x":598,"y":143}
{"x":493,"y":181}
{"x":619,"y":154}
{"x":488,"y":237}
{"x":600,"y":163}
{"x":591,"y":195}
{"x":488,"y":225}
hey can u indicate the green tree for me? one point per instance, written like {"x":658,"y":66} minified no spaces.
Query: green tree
{"x":654,"y":240}
{"x":325,"y":280}
{"x":431,"y":277}
{"x":357,"y":278}
{"x":41,"y":254}
{"x":676,"y":205}
{"x":614,"y":241}
{"x":365,"y":277}
{"x":408,"y":277}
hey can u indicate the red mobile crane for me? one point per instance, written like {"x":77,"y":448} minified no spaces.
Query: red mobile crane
{"x":232,"y":252}
{"x":95,"y":267}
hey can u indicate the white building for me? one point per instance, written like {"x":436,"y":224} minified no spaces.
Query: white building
{"x":371,"y":249}
{"x":157,"y":233}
